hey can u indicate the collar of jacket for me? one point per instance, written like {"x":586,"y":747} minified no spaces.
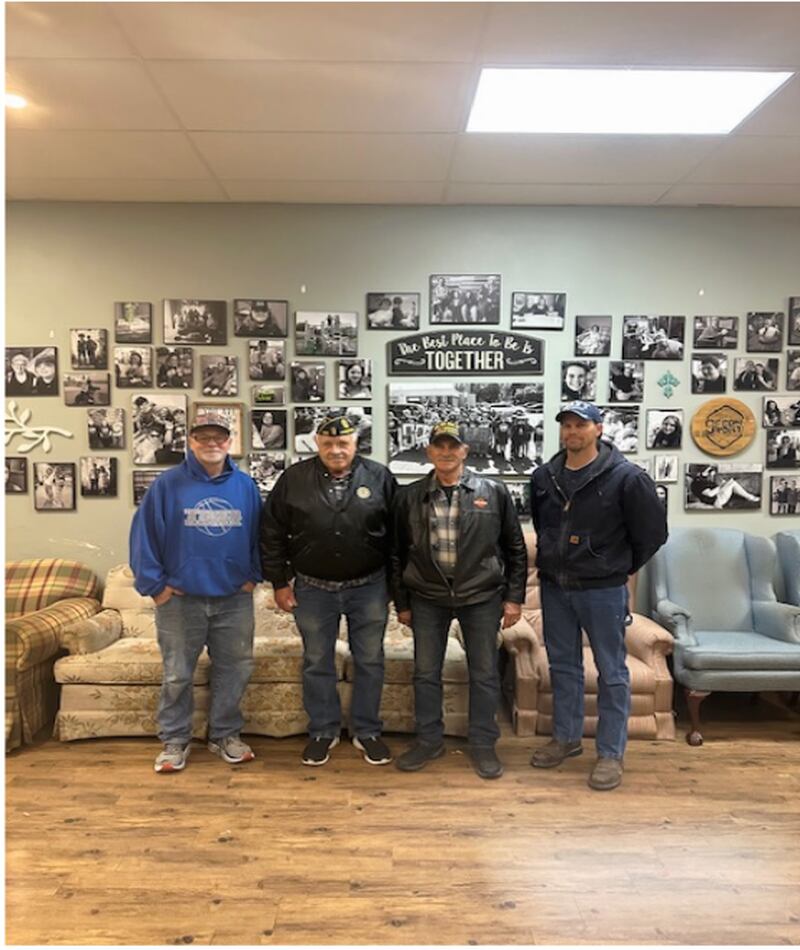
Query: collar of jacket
{"x":196,"y":470}
{"x":468,"y":480}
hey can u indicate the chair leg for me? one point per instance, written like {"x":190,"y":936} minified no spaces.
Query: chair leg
{"x":693,"y":699}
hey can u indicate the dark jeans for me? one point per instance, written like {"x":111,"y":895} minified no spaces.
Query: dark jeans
{"x":601,"y":613}
{"x":317,"y":616}
{"x":479,"y":625}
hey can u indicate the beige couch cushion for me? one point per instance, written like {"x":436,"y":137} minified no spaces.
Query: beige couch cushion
{"x":129,"y":661}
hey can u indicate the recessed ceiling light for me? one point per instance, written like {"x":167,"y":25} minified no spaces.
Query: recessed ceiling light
{"x":13,"y":101}
{"x":618,"y":101}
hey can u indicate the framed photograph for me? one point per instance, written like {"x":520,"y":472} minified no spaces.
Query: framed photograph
{"x":621,"y":427}
{"x":724,"y":486}
{"x":98,"y":476}
{"x":106,"y":428}
{"x":781,"y":411}
{"x":203,"y":322}
{"x":708,"y":373}
{"x":390,"y":310}
{"x":783,"y":448}
{"x":755,"y":375}
{"x":16,"y":475}
{"x":625,"y":381}
{"x":87,"y":389}
{"x":592,"y":336}
{"x":133,"y":322}
{"x":265,"y":469}
{"x":268,"y":395}
{"x":521,"y":496}
{"x":320,"y":333}
{"x":653,"y":338}
{"x":267,"y":359}
{"x":646,"y":465}
{"x":716,"y":333}
{"x":664,"y":428}
{"x":784,"y":495}
{"x":534,"y":310}
{"x":793,"y":370}
{"x":355,"y":379}
{"x":88,"y":349}
{"x":793,"y":329}
{"x":159,"y":429}
{"x":465,"y":298}
{"x":54,"y":486}
{"x":133,"y":367}
{"x":503,"y":424}
{"x":764,"y":332}
{"x":233,"y":413}
{"x":31,"y":371}
{"x":262,"y":318}
{"x":142,"y":480}
{"x":307,"y":382}
{"x":219,"y":375}
{"x":268,"y":428}
{"x":578,"y":380}
{"x":663,"y":494}
{"x":174,"y":367}
{"x":307,"y":418}
{"x":666,"y":468}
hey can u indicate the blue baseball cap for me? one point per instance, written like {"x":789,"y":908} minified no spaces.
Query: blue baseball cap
{"x":586,"y":410}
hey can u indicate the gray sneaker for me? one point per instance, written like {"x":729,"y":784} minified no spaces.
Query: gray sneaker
{"x":606,"y":774}
{"x":172,"y":758}
{"x":231,"y":749}
{"x":554,"y":753}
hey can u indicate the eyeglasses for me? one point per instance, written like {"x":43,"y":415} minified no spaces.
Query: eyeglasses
{"x":211,"y":439}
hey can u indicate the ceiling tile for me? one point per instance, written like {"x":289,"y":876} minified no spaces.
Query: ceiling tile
{"x":597,"y":159}
{"x":780,"y":115}
{"x":56,"y":154}
{"x":757,"y":159}
{"x":84,"y":94}
{"x":112,"y":189}
{"x":513,"y":194}
{"x":379,"y":32}
{"x":311,"y":97}
{"x":74,"y":30}
{"x":331,"y":192}
{"x":739,"y":195}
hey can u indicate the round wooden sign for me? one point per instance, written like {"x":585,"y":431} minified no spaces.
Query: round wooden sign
{"x":723,"y":426}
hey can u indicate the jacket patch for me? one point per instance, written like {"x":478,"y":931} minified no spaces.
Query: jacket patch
{"x":574,"y":539}
{"x":480,"y":503}
{"x":363,"y":492}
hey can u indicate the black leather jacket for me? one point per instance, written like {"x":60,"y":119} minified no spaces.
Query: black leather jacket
{"x":491,"y":555}
{"x":301,"y":530}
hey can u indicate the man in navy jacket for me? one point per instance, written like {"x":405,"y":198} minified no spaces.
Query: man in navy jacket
{"x":598,"y":520}
{"x":194,"y":550}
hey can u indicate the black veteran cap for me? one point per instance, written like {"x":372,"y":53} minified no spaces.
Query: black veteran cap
{"x":451,"y":430}
{"x":336,"y":425}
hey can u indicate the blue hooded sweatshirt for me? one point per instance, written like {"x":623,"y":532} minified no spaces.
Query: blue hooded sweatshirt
{"x":197,"y":533}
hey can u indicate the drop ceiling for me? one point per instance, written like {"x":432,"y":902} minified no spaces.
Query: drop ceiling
{"x":367,"y":103}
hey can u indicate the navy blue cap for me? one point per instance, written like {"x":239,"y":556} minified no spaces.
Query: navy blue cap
{"x":586,"y":410}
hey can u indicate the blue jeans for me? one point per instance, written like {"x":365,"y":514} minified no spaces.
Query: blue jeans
{"x":317,"y":616}
{"x":185,"y":625}
{"x":479,"y":625}
{"x":601,"y":613}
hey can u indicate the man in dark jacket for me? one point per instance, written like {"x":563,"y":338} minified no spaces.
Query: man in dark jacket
{"x":327,"y":525}
{"x":598,"y":519}
{"x":459,"y":552}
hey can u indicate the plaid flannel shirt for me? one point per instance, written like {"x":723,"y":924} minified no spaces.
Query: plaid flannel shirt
{"x":444,"y":527}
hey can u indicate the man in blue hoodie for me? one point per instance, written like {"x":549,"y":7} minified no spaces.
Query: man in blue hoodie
{"x":194,"y":550}
{"x":598,"y":519}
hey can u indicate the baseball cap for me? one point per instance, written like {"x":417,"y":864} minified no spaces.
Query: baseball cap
{"x":335,"y":425}
{"x":451,"y":430}
{"x":204,"y":419}
{"x":586,"y":410}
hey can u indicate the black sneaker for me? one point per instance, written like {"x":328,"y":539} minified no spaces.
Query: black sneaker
{"x":376,"y":752}
{"x":418,"y":756}
{"x":485,"y":761}
{"x":318,"y":751}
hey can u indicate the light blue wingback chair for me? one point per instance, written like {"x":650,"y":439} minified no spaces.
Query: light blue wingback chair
{"x":788,"y":544}
{"x":712,"y":587}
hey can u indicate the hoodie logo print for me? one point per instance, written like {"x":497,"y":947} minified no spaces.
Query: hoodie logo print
{"x":213,"y":516}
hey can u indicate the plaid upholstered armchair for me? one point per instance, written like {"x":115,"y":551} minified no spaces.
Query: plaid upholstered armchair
{"x":43,"y":596}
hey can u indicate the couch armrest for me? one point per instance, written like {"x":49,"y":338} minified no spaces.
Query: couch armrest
{"x":522,"y":643}
{"x":92,"y":634}
{"x":677,"y":619}
{"x":35,"y":637}
{"x":778,"y":621}
{"x":647,"y":640}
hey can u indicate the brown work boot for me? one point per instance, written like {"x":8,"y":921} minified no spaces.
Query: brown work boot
{"x":606,"y":774}
{"x":554,"y":753}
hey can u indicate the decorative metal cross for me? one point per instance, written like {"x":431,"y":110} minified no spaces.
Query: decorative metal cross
{"x":668,"y":383}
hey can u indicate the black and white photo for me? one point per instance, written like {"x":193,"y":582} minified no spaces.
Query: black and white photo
{"x":267,"y":359}
{"x":265,"y":395}
{"x":54,"y":486}
{"x":16,"y":475}
{"x":625,"y":381}
{"x":792,"y":370}
{"x":106,"y":428}
{"x":133,"y":321}
{"x":159,"y":429}
{"x":665,"y":468}
{"x":724,"y":486}
{"x":87,"y":389}
{"x":133,"y":367}
{"x":307,"y":418}
{"x":355,"y":379}
{"x":202,"y":322}
{"x":664,"y":428}
{"x":268,"y":428}
{"x":521,"y":496}
{"x":320,"y":333}
{"x":465,"y":298}
{"x":592,"y":336}
{"x":142,"y":480}
{"x":781,"y":411}
{"x":98,"y":476}
{"x":579,"y":380}
{"x":621,"y":427}
{"x":219,"y":375}
{"x":232,"y":412}
{"x":793,"y":322}
{"x":646,"y":465}
{"x":716,"y":333}
{"x":31,"y":371}
{"x":764,"y":332}
{"x":389,"y":310}
{"x":784,"y":495}
{"x":755,"y":375}
{"x":307,"y":382}
{"x":261,"y":318}
{"x":174,"y":367}
{"x":662,"y":493}
{"x":783,"y":448}
{"x":535,"y":310}
{"x":709,"y":373}
{"x":88,"y":348}
{"x":265,"y":469}
{"x":653,"y":338}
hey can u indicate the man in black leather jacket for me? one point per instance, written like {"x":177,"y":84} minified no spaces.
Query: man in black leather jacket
{"x":459,"y":552}
{"x":326,"y":525}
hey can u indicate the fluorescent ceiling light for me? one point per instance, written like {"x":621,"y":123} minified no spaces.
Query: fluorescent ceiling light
{"x":13,"y":101}
{"x":608,"y":101}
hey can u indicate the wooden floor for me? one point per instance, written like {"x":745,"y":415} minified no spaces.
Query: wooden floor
{"x":698,"y":846}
